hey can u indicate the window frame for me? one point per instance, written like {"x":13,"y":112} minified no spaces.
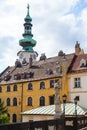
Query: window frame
{"x":30,"y":86}
{"x":8,"y":88}
{"x":29,"y":101}
{"x":42,"y":85}
{"x":8,"y":102}
{"x":42,"y":101}
{"x":0,"y":89}
{"x":14,"y":101}
{"x":77,"y":82}
{"x":15,"y":87}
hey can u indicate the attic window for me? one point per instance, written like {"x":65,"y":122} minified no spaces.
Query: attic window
{"x":17,"y":76}
{"x":7,"y":77}
{"x":59,"y":69}
{"x":49,"y":71}
{"x":25,"y":75}
{"x":17,"y":63}
{"x":83,"y":63}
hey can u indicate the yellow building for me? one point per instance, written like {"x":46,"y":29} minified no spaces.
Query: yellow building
{"x":30,"y":83}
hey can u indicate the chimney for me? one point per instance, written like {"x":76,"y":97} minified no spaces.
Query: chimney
{"x":77,"y":48}
{"x":30,"y":61}
{"x":43,"y":56}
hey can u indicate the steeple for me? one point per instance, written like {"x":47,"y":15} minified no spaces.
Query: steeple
{"x":27,"y":42}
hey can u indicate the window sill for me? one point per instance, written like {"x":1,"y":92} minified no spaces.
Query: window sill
{"x":77,"y":87}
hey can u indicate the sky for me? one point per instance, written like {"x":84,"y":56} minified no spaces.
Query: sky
{"x":57,"y":25}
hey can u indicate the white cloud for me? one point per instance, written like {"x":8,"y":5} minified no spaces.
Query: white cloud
{"x":55,"y":26}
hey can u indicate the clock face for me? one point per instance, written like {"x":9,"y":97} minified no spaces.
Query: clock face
{"x":21,"y":56}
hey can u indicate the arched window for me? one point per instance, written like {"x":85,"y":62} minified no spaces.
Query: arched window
{"x":29,"y":101}
{"x":30,"y":86}
{"x":42,"y":85}
{"x":15,"y":87}
{"x":8,"y":101}
{"x":0,"y":89}
{"x":42,"y":101}
{"x":8,"y":88}
{"x":14,"y":101}
{"x":0,"y":100}
{"x":14,"y":118}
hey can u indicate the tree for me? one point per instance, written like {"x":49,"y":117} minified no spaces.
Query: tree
{"x":4,"y":117}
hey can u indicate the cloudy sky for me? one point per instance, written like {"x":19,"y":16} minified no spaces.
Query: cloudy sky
{"x":57,"y":25}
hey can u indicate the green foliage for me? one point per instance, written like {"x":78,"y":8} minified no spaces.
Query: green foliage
{"x":4,"y":117}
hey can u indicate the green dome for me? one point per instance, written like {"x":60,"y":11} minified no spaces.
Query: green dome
{"x":27,"y":42}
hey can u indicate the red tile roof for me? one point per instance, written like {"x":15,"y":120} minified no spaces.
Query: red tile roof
{"x":39,"y":69}
{"x":75,"y":66}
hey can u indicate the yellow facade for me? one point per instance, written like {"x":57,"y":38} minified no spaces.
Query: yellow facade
{"x":23,"y":93}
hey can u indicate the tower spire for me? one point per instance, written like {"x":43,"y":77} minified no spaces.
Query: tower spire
{"x":28,"y":9}
{"x":27,"y":42}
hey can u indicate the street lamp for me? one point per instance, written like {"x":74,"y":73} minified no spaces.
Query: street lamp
{"x":75,"y":101}
{"x":64,"y":102}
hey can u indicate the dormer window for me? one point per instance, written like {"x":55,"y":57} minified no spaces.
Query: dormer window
{"x":83,"y":63}
{"x":24,"y":61}
{"x":59,"y":69}
{"x":7,"y":77}
{"x":49,"y":71}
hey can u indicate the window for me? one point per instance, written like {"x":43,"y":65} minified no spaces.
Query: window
{"x":0,"y":89}
{"x":51,"y":100}
{"x":15,"y":87}
{"x":42,"y":85}
{"x":8,"y":88}
{"x":29,"y":101}
{"x":49,"y":71}
{"x":30,"y":86}
{"x":42,"y":101}
{"x":14,"y":101}
{"x":14,"y":118}
{"x":51,"y":83}
{"x":0,"y":100}
{"x":8,"y":101}
{"x":59,"y":69}
{"x":77,"y":83}
{"x":83,"y":63}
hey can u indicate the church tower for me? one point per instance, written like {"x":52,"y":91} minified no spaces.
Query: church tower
{"x":27,"y":42}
